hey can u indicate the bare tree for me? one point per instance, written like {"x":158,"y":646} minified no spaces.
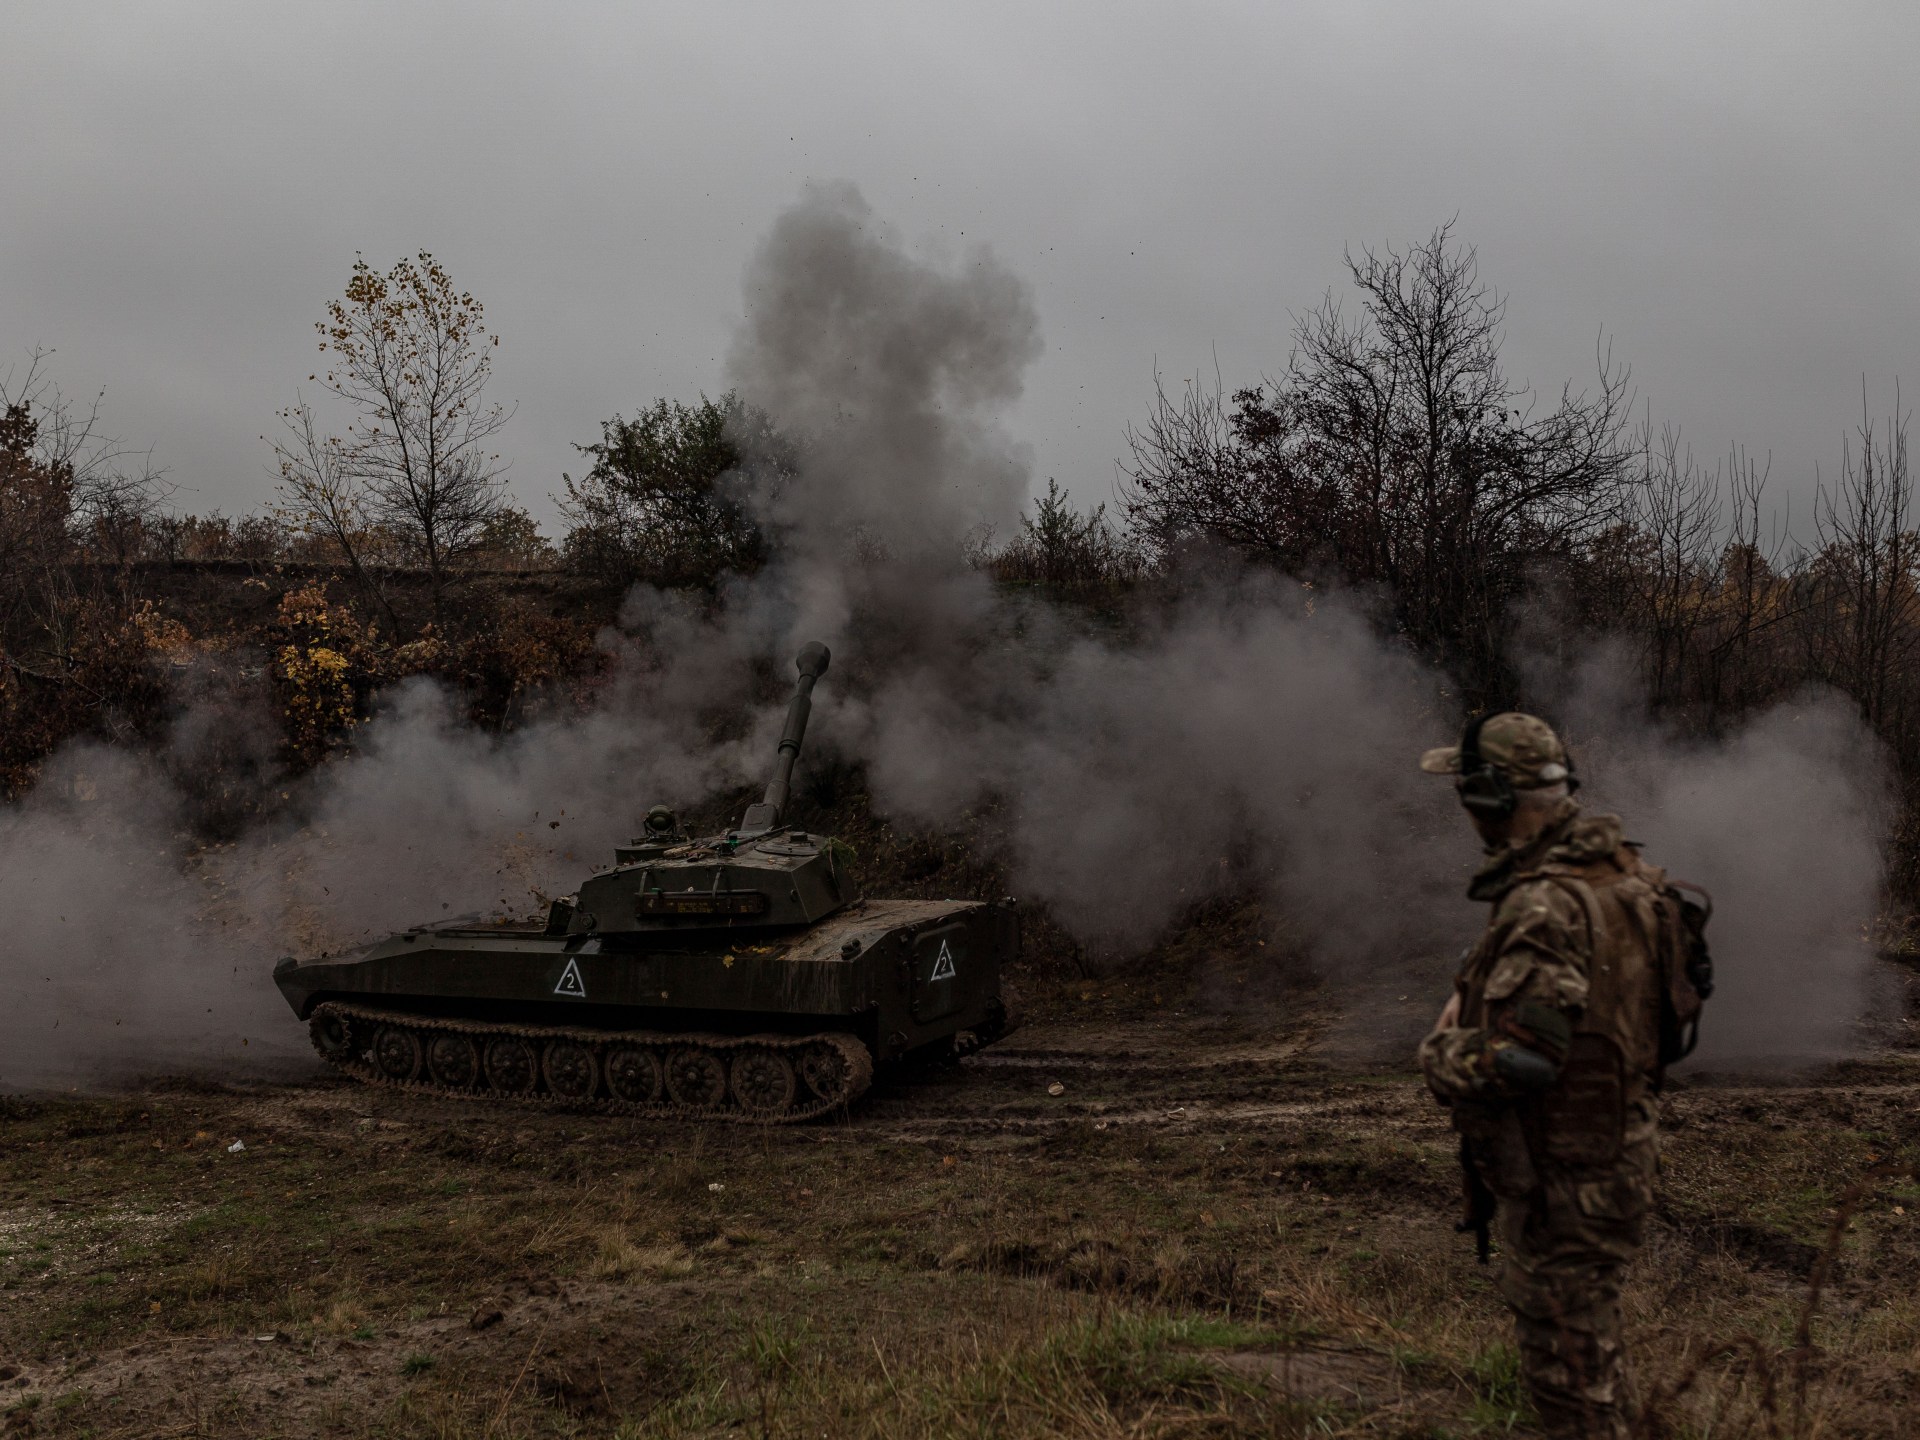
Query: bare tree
{"x":1754,"y":601}
{"x":1868,"y":628}
{"x":67,"y":491}
{"x":1457,"y":491}
{"x":1395,"y":452}
{"x":411,"y":357}
{"x":325,"y":499}
{"x":1677,"y":517}
{"x":1235,"y":470}
{"x":36,"y":502}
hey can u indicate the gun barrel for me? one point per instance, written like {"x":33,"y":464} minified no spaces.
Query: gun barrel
{"x":812,"y":664}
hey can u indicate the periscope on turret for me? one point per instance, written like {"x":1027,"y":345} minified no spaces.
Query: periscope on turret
{"x":738,"y":976}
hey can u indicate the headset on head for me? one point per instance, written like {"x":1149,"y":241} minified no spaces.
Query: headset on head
{"x":1484,"y":787}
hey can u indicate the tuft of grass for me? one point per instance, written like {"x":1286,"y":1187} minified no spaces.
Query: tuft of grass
{"x":1500,"y":1402}
{"x":617,"y":1257}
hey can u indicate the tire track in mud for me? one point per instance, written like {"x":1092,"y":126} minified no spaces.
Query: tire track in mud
{"x":1129,"y":1078}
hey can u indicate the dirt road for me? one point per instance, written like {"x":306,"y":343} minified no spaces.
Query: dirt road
{"x":1105,"y":1225}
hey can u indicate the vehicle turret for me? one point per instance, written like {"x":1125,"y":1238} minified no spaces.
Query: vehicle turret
{"x":760,"y":875}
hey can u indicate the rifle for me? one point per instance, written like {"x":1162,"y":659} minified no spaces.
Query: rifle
{"x":1478,"y":1209}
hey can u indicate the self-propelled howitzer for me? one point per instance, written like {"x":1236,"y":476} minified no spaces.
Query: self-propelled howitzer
{"x":736,"y":976}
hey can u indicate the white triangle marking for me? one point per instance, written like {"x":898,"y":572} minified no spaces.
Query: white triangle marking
{"x":943,"y":964}
{"x":571,"y":983}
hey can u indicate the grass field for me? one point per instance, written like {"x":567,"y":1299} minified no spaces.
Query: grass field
{"x":1213,"y":1230}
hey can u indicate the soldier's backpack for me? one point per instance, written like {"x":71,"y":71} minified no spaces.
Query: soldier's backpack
{"x":1686,"y":965}
{"x":1671,"y":917}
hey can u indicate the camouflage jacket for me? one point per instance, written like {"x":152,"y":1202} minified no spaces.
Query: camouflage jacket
{"x":1549,"y":939}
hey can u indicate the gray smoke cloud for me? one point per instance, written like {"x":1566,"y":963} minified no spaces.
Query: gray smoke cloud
{"x":1252,"y":721}
{"x":1253,"y":728}
{"x":893,"y":370}
{"x":118,"y":957}
{"x":1255,"y":733}
{"x":1782,"y":823}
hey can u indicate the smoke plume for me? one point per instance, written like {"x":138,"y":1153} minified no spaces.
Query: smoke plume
{"x":1781,"y":824}
{"x":116,"y":959}
{"x":892,"y":371}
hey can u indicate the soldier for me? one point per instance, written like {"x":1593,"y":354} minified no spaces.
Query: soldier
{"x":1548,"y":1056}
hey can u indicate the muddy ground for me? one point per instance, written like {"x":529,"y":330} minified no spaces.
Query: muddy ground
{"x":1120,"y":1222}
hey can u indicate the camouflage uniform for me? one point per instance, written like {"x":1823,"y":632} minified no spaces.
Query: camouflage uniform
{"x":1565,"y":970}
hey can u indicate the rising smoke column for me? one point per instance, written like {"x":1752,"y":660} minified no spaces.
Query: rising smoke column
{"x":892,"y":371}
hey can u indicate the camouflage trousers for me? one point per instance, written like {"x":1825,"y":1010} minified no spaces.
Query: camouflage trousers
{"x":1564,"y":1248}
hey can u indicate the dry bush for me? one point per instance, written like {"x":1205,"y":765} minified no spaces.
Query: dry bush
{"x":619,"y":1257}
{"x":326,"y":665}
{"x":505,"y":660}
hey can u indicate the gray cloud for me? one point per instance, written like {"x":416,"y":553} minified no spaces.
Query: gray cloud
{"x":1714,"y":183}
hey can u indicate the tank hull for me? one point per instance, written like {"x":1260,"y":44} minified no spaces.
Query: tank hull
{"x":897,"y":976}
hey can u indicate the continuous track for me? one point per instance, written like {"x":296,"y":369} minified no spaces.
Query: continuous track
{"x":748,"y":1079}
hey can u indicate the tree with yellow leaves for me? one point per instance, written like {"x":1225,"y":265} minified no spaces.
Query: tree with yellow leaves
{"x":410,"y":355}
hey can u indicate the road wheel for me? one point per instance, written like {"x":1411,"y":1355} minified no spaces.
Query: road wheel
{"x":396,"y":1052}
{"x":571,"y":1070}
{"x":453,"y":1061}
{"x":512,"y":1067}
{"x":696,"y":1078}
{"x":826,"y":1071}
{"x":763,"y":1081}
{"x":633,"y":1075}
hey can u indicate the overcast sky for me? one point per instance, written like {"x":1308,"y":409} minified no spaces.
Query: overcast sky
{"x":1730,"y":191}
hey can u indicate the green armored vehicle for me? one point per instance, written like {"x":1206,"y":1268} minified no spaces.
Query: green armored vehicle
{"x":734,"y":977}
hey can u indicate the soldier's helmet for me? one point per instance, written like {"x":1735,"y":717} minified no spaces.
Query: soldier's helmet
{"x":1523,"y":748}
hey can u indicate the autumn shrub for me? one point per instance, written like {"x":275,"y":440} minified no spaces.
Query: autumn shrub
{"x":504,"y":667}
{"x":326,"y":666}
{"x":106,"y":682}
